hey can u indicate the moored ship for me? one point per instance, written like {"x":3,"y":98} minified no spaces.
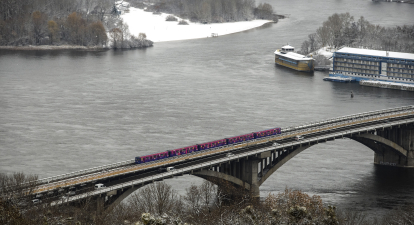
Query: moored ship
{"x":376,"y":65}
{"x":288,"y":58}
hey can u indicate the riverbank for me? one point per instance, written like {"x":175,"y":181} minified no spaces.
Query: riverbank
{"x":397,"y":1}
{"x":158,"y":30}
{"x":52,"y":47}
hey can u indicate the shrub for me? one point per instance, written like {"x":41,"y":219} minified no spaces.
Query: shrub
{"x":170,"y":18}
{"x":182,"y":22}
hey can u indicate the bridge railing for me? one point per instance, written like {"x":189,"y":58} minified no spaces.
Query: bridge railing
{"x":84,"y":172}
{"x":353,"y":116}
{"x":325,"y":123}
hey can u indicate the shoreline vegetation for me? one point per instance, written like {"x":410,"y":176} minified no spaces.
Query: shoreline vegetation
{"x":52,"y":47}
{"x":159,"y":204}
{"x":100,"y":25}
{"x":341,"y":30}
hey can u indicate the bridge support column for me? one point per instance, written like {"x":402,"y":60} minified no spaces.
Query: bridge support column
{"x":250,"y":176}
{"x":100,"y":204}
{"x":402,"y":136}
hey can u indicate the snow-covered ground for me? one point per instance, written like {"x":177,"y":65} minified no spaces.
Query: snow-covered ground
{"x":327,"y":52}
{"x":158,"y":30}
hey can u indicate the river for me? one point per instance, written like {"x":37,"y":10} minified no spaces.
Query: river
{"x":63,"y":111}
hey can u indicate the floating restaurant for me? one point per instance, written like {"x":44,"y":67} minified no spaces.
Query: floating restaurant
{"x":367,"y":64}
{"x":288,"y":58}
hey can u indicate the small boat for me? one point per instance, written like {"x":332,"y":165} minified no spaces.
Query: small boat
{"x":339,"y":79}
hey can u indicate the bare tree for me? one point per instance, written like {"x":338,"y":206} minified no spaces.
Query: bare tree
{"x":207,"y":191}
{"x":53,"y":31}
{"x":17,"y":185}
{"x":156,"y":198}
{"x":193,"y":198}
{"x":39,"y":25}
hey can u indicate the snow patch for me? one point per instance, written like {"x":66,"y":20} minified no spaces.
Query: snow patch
{"x":327,"y":52}
{"x":159,"y":30}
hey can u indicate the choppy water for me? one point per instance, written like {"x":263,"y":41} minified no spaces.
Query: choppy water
{"x":63,"y":111}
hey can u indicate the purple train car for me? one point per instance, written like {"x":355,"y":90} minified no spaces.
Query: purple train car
{"x":152,"y":157}
{"x":266,"y":133}
{"x":182,"y":151}
{"x":240,"y":138}
{"x":212,"y":144}
{"x":208,"y":145}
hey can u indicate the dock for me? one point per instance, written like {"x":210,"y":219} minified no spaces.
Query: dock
{"x":389,"y":85}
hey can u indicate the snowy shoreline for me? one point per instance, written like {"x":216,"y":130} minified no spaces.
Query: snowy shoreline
{"x":158,"y":30}
{"x":52,"y":47}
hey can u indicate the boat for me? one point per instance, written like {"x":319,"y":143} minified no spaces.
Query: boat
{"x":288,"y":58}
{"x":368,"y":64}
{"x":339,"y":79}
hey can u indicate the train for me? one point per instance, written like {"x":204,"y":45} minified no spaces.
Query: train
{"x":207,"y":145}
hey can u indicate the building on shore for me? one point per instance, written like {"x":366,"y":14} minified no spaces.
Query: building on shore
{"x":366,"y":64}
{"x":288,"y":58}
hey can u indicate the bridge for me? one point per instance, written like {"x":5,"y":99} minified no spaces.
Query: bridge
{"x":389,"y":133}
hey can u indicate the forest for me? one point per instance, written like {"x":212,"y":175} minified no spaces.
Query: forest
{"x":343,"y":30}
{"x":215,"y":11}
{"x":60,"y":22}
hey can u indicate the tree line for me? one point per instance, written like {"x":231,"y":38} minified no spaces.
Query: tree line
{"x":159,"y":204}
{"x":343,"y":30}
{"x":215,"y":11}
{"x":57,"y":22}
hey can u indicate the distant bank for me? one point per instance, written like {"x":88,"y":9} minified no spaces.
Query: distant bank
{"x":52,"y":47}
{"x":397,"y":1}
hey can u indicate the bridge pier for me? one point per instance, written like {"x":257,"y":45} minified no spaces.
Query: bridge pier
{"x":100,"y":204}
{"x":393,"y":146}
{"x":402,"y":136}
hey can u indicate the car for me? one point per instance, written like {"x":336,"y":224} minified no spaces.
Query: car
{"x":61,"y":190}
{"x":70,"y":193}
{"x":39,"y":195}
{"x":36,"y":201}
{"x":98,"y":186}
{"x":299,"y":137}
{"x":275,"y":144}
{"x":168,"y":169}
{"x":50,"y":193}
{"x":229,"y":154}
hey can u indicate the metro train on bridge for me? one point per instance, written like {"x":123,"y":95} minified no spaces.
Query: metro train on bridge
{"x":208,"y":145}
